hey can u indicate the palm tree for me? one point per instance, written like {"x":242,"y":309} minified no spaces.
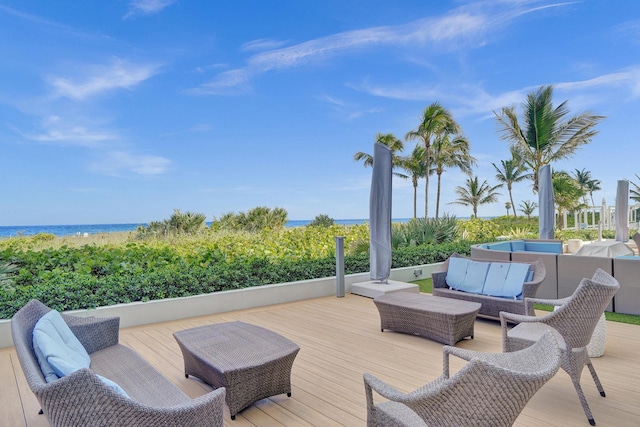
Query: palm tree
{"x":476,"y":194}
{"x":547,"y":134}
{"x":449,"y":153}
{"x":507,"y":206}
{"x":512,"y":171}
{"x":527,"y":207}
{"x":583,"y":178}
{"x":416,"y":169}
{"x":434,"y":120}
{"x":634,"y":193}
{"x":567,"y":193}
{"x":387,"y":139}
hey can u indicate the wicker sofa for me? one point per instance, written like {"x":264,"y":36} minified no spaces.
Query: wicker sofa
{"x":81,"y":398}
{"x":491,"y":305}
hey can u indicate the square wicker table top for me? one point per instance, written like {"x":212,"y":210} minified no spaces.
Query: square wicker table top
{"x":251,"y":362}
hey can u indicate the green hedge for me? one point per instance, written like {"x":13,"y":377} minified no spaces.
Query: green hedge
{"x":88,"y":277}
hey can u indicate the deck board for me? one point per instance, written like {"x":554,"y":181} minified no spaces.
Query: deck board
{"x":340,"y":339}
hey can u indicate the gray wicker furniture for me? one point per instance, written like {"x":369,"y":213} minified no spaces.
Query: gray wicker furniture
{"x":444,"y":320}
{"x":491,"y":306}
{"x":574,"y":323}
{"x":249,"y":361}
{"x":490,"y":390}
{"x":81,"y":399}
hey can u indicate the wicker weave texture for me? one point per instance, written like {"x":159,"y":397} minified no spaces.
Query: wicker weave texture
{"x":440,"y":319}
{"x":251,"y":362}
{"x":573,"y":322}
{"x":82,"y":399}
{"x":490,"y":390}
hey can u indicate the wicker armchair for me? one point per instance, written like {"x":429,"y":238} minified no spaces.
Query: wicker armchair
{"x":82,"y":399}
{"x":491,"y":390}
{"x":573,"y":323}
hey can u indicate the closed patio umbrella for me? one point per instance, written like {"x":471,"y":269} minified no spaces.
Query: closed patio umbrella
{"x":380,"y":214}
{"x":622,"y":211}
{"x":546,"y":217}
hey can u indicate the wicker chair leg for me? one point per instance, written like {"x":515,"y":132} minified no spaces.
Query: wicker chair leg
{"x":596,"y":379}
{"x":583,"y":400}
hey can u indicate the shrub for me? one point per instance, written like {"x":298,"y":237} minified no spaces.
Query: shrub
{"x":256,"y":219}
{"x":322,"y":221}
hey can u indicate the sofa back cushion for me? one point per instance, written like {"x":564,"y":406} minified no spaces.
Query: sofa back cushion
{"x":57,"y":349}
{"x":517,"y":246}
{"x":545,"y":247}
{"x":506,"y":279}
{"x":456,"y":271}
{"x":466,"y":275}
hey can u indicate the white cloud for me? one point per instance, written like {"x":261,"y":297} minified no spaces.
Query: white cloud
{"x":147,"y":7}
{"x":227,"y":83}
{"x":262,"y":44}
{"x":123,"y":163}
{"x":117,"y":75}
{"x":464,"y":25}
{"x":57,"y":131}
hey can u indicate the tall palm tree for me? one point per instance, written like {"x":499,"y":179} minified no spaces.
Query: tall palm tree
{"x":450,"y":152}
{"x":415,"y":166}
{"x":546,"y":134}
{"x":434,"y":120}
{"x":512,"y":171}
{"x":387,"y":139}
{"x":476,"y":194}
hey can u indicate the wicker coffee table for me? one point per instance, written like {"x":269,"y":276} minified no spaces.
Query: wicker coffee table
{"x":445,"y":320}
{"x":251,"y":362}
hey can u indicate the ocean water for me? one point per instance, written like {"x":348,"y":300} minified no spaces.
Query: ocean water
{"x":81,"y":229}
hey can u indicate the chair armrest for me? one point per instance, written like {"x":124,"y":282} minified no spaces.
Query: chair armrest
{"x":382,"y":388}
{"x":529,"y":303}
{"x":71,"y":401}
{"x":94,"y":333}
{"x":439,"y":279}
{"x":462,"y":353}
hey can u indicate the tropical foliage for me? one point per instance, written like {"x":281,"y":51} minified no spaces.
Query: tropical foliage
{"x":510,"y":172}
{"x":6,"y":279}
{"x":475,"y":194}
{"x":71,"y":278}
{"x":256,"y":219}
{"x":567,"y":193}
{"x":544,"y":134}
{"x":178,"y":224}
{"x":420,"y":231}
{"x":434,"y":122}
{"x":416,"y":168}
{"x":527,"y":207}
{"x":450,"y":151}
{"x":322,"y":220}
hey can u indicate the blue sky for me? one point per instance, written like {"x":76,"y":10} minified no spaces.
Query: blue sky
{"x":121,"y":111}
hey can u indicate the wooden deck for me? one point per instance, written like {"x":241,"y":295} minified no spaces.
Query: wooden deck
{"x":340,"y":339}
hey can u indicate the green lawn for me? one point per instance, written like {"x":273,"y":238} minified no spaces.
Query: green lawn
{"x":426,"y":285}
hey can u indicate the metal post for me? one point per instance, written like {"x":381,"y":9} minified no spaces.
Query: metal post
{"x":340,"y":266}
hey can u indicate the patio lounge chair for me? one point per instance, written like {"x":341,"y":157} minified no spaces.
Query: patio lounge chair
{"x":491,"y":390}
{"x":573,"y":323}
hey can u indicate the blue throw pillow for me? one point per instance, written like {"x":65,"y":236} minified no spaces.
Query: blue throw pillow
{"x":58,"y":350}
